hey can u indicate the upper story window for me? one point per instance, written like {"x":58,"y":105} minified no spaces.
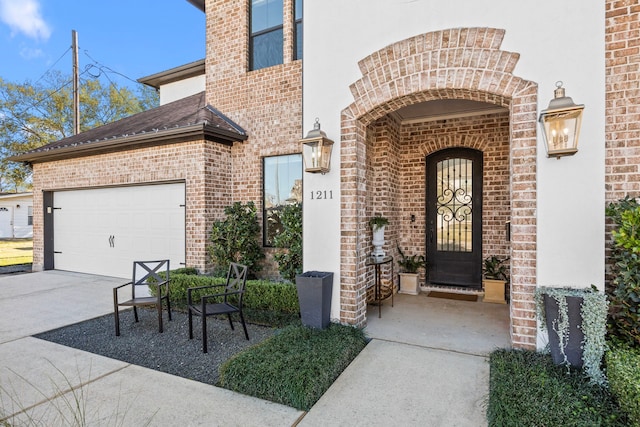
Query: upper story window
{"x":266,"y":41}
{"x":298,"y":29}
{"x":282,"y":185}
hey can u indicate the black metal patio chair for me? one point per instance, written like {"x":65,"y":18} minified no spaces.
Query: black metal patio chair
{"x":227,"y":302}
{"x":146,"y":274}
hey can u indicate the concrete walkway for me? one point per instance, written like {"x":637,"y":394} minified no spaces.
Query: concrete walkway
{"x":415,"y":377}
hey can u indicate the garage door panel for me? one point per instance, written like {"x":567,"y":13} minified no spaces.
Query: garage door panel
{"x":102,"y":231}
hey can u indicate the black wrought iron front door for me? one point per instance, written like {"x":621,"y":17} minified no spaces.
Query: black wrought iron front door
{"x":454,"y":217}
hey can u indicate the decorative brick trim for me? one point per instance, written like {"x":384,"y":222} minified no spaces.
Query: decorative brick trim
{"x":463,"y":63}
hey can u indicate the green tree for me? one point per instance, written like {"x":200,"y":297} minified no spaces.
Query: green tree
{"x":35,"y":114}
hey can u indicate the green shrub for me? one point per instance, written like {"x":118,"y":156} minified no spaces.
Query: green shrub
{"x":265,"y":302}
{"x":290,"y":259}
{"x":623,"y":370}
{"x":237,"y":239}
{"x":624,"y":295}
{"x":295,"y":367}
{"x":527,"y":389}
{"x":185,"y":270}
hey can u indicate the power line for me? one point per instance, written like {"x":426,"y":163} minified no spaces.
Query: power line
{"x":104,"y":68}
{"x":54,"y":64}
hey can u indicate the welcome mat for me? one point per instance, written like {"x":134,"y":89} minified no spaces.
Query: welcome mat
{"x":449,"y":295}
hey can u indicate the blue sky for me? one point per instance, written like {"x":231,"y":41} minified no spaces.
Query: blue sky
{"x":135,"y":38}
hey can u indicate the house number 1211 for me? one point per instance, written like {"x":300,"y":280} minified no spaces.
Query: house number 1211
{"x":321,"y":195}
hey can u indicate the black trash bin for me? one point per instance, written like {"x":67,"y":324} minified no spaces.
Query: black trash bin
{"x":314,"y":295}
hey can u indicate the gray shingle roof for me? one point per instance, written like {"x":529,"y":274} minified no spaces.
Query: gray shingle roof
{"x":182,"y":120}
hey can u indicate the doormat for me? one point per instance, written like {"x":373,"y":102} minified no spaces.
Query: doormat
{"x":449,"y":295}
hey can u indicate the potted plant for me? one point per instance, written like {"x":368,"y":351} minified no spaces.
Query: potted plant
{"x":377,"y":224}
{"x":409,"y":273}
{"x":495,"y":278}
{"x":576,"y":321}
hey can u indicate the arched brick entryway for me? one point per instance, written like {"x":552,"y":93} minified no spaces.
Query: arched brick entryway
{"x":463,"y":63}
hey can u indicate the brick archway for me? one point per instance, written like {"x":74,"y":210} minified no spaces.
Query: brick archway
{"x":463,"y":63}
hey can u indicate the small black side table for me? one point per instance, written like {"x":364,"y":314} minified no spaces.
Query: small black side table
{"x":379,"y":293}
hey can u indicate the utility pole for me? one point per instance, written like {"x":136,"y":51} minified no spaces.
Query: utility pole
{"x":76,"y":95}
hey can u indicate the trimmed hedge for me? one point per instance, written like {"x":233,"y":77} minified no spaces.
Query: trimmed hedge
{"x":265,"y":302}
{"x":623,"y":371}
{"x":295,"y":367}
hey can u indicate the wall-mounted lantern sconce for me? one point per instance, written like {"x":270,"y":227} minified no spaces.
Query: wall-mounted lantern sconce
{"x":316,"y":150}
{"x":561,"y":124}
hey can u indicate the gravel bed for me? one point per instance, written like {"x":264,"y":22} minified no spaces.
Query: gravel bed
{"x":171,"y":351}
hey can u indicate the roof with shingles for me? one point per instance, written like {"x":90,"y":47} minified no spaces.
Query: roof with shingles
{"x":182,"y":120}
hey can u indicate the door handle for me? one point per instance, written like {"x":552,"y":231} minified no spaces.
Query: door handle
{"x":431,"y":235}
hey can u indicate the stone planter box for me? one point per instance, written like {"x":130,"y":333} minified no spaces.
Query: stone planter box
{"x":409,"y":283}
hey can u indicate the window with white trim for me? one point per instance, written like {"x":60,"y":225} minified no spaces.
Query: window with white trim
{"x":266,"y":39}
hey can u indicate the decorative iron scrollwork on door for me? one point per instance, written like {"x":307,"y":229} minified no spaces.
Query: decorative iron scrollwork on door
{"x":454,"y":205}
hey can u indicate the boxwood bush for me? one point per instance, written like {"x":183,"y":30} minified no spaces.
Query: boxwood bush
{"x":623,"y":371}
{"x":265,"y":302}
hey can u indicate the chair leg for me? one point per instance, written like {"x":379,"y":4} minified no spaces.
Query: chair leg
{"x":169,"y":307}
{"x":116,"y":313}
{"x":117,"y":317}
{"x":204,"y":334}
{"x":159,"y":306}
{"x":230,"y":322}
{"x":190,"y":325}
{"x":244,"y":326}
{"x":135,"y":313}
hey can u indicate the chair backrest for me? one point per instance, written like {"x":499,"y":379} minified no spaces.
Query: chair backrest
{"x":147,"y":273}
{"x":236,"y":280}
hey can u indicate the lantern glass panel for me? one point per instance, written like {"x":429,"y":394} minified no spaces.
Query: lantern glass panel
{"x":326,"y":156}
{"x":561,"y":130}
{"x":311,"y":154}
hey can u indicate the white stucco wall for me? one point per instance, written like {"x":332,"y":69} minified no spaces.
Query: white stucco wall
{"x":181,"y":89}
{"x":555,"y":40}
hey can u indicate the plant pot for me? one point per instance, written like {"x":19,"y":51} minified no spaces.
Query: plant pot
{"x":378,"y":242}
{"x":314,"y":295}
{"x":494,"y":291}
{"x":409,"y":283}
{"x":573,"y":346}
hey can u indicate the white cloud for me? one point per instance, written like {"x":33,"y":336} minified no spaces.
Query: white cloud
{"x":31,"y":53}
{"x":23,"y":16}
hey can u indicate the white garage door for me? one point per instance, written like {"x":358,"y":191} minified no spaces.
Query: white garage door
{"x":102,"y":231}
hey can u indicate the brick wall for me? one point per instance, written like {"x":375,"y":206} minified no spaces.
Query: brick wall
{"x":203,"y":166}
{"x":622,"y":130}
{"x":396,"y":176}
{"x":267,"y":103}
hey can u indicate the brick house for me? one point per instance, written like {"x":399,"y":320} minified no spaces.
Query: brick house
{"x":404,"y":89}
